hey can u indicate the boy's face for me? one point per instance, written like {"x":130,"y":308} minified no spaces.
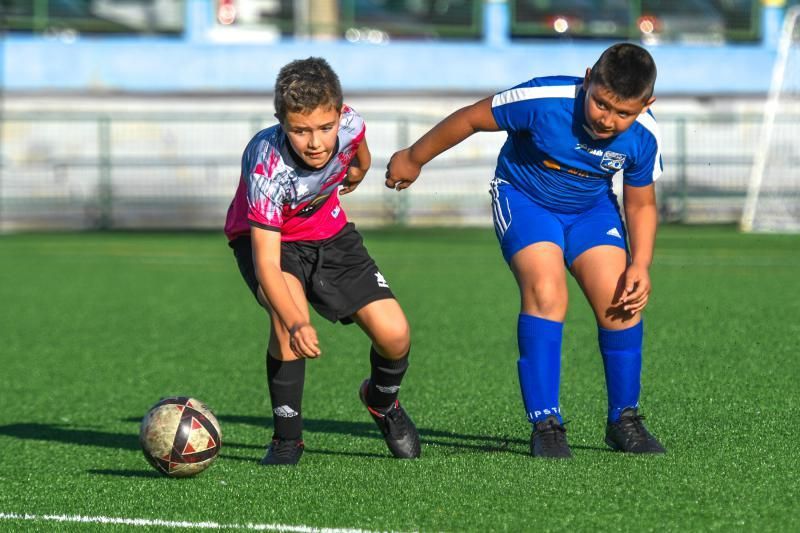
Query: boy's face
{"x":605,"y":114}
{"x":313,"y":135}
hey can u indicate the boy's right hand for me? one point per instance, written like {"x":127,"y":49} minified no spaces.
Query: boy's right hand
{"x":303,"y":341}
{"x":401,"y":171}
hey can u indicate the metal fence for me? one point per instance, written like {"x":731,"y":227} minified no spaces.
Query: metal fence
{"x":179,"y":171}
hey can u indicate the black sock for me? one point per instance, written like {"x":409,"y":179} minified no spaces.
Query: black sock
{"x":384,"y":381}
{"x":285,"y":380}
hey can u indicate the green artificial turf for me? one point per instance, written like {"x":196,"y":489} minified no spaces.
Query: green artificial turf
{"x":95,"y":328}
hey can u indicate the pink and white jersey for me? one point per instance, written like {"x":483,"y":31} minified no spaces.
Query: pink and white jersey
{"x":278,"y":191}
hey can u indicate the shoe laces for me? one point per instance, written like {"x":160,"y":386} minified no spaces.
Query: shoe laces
{"x":552,"y":432}
{"x":633,"y":423}
{"x":395,"y":421}
{"x":285,"y":448}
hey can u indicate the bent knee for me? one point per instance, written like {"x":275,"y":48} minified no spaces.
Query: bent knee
{"x":546,"y":299}
{"x":394,"y":341}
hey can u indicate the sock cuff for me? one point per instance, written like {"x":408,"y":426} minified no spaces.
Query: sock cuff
{"x":621,"y":338}
{"x":392,"y":364}
{"x":536,"y":325}
{"x":278,"y":369}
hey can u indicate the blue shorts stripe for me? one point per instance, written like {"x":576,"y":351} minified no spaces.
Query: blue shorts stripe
{"x":500,"y":224}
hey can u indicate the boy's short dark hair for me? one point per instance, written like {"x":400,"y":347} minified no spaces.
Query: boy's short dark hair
{"x":627,"y":70}
{"x":306,"y":84}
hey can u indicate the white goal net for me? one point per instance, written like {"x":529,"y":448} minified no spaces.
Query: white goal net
{"x":773,"y":196}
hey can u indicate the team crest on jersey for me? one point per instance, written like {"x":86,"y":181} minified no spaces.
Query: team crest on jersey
{"x":612,"y":161}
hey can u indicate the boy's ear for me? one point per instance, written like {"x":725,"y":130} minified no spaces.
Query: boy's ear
{"x":648,"y":104}
{"x":587,"y":78}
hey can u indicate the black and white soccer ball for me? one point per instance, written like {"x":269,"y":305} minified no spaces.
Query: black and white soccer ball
{"x":180,"y":436}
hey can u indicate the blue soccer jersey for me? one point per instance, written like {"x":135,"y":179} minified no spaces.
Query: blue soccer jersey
{"x":551,"y":157}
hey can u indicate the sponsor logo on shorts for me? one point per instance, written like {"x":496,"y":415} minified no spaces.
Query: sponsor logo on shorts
{"x":614,"y":232}
{"x":381,"y":280}
{"x":284,"y":411}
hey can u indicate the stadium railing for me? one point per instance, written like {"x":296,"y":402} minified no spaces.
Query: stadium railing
{"x":179,"y":171}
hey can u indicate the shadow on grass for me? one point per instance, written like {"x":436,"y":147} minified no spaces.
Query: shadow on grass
{"x":457,"y":442}
{"x":444,"y":439}
{"x":308,"y":451}
{"x":59,"y":433}
{"x":127,"y":473}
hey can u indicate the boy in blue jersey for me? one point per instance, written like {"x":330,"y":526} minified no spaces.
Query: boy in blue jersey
{"x":553,"y":205}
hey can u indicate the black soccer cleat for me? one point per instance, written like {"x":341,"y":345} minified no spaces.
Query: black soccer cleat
{"x":549,"y":439}
{"x":398,"y":429}
{"x":630,"y":435}
{"x":283,"y":452}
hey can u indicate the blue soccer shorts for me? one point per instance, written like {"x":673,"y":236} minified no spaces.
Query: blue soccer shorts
{"x":520,"y":222}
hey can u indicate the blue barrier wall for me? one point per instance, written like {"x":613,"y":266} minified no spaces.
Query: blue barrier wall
{"x":195,"y":63}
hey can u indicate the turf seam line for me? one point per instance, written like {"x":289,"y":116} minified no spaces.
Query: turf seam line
{"x":172,"y":523}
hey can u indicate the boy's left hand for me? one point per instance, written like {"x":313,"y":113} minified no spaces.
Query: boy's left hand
{"x":636,"y":290}
{"x":354,"y":177}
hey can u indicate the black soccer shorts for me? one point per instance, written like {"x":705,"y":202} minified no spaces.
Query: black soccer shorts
{"x":338,"y":274}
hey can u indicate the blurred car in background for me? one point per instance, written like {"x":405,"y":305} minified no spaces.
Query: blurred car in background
{"x":601,"y":19}
{"x":657,"y":21}
{"x":413,"y":19}
{"x":73,"y":17}
{"x":685,"y":21}
{"x":58,"y":16}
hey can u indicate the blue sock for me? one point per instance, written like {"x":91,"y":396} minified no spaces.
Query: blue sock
{"x":622,"y":360}
{"x":539,"y":365}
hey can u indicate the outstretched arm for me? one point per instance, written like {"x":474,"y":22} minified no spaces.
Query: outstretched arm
{"x":404,"y":166}
{"x":642,"y":219}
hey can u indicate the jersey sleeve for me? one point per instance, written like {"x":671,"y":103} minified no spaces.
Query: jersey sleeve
{"x":517,"y":109}
{"x":265,"y":193}
{"x":352,"y":130}
{"x":513,"y":109}
{"x":647,"y":166}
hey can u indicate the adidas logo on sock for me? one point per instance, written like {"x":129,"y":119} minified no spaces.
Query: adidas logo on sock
{"x":388,"y":390}
{"x":284,"y":411}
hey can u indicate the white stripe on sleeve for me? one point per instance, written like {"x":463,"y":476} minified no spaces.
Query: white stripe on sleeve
{"x":531,"y":93}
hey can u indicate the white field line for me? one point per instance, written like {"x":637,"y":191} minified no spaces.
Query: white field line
{"x":145,"y":522}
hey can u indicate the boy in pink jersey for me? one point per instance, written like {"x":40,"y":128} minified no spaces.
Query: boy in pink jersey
{"x":294,"y":247}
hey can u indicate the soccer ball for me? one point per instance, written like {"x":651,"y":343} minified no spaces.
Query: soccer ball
{"x":180,"y":436}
